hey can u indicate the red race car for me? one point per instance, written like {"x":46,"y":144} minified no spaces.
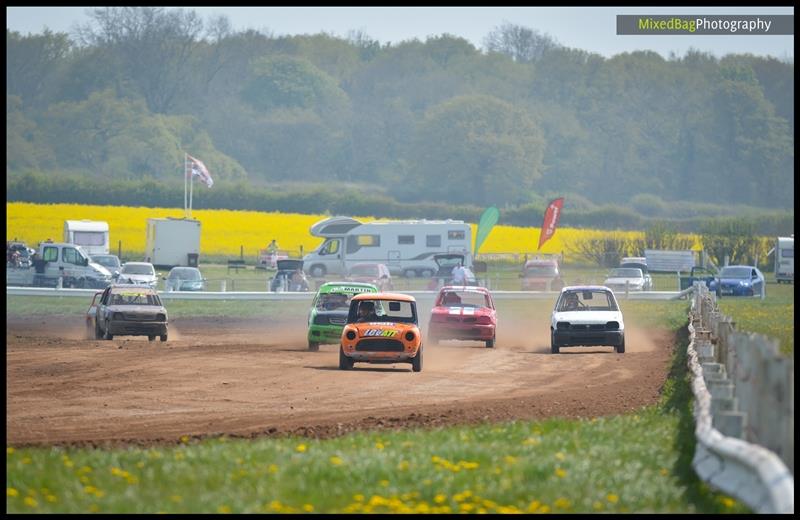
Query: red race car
{"x":465,"y":313}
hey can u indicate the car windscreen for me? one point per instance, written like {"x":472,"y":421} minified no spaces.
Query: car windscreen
{"x":625,"y":273}
{"x":333,"y":301}
{"x":735,"y":272}
{"x":134,"y":298}
{"x":586,"y":300}
{"x":465,"y":299}
{"x":184,"y":274}
{"x":541,"y":270}
{"x":137,"y":269}
{"x":385,"y":311}
{"x":364,"y":270}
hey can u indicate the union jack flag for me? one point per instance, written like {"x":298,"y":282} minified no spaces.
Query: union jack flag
{"x":198,"y":169}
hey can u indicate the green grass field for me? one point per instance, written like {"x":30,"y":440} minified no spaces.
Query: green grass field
{"x":773,"y":317}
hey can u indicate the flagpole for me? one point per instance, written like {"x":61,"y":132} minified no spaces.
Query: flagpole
{"x":185,"y":164}
{"x":191,"y":188}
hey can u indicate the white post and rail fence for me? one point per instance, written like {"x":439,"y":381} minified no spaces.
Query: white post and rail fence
{"x":743,"y":409}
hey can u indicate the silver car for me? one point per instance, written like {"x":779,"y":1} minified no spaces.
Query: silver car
{"x":130,"y":310}
{"x":184,"y":279}
{"x":138,"y":273}
{"x":626,"y":278}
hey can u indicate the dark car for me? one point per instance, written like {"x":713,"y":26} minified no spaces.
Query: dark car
{"x":289,"y":277}
{"x":739,"y":280}
{"x":130,"y":310}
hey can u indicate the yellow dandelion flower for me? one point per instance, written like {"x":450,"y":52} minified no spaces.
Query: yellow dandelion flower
{"x":664,"y":472}
{"x":89,"y":490}
{"x":93,"y":508}
{"x":509,"y":459}
{"x":597,"y":506}
{"x":560,"y":473}
{"x":31,"y":502}
{"x":544,"y":509}
{"x":11,"y":492}
{"x":184,"y":439}
{"x":140,"y":464}
{"x":223,"y":509}
{"x":275,"y":505}
{"x":612,"y":498}
{"x":27,"y":460}
{"x":272,"y":468}
{"x":533,"y":506}
{"x":728,"y":502}
{"x":301,"y":448}
{"x":384,"y":483}
{"x":466,"y":507}
{"x":99,"y":494}
{"x":336,"y":461}
{"x":9,"y":451}
{"x":358,"y":498}
{"x":179,"y":456}
{"x":439,"y":498}
{"x":308,"y":508}
{"x":560,"y":456}
{"x":51,"y":498}
{"x":176,"y":498}
{"x":379,"y":445}
{"x":530,"y":441}
{"x":404,"y":465}
{"x":562,"y":503}
{"x":84,"y":479}
{"x":435,"y":458}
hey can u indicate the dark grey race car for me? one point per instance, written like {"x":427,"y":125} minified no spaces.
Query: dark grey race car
{"x":130,"y":310}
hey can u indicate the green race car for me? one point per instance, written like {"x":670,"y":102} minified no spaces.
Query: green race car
{"x":328,"y":313}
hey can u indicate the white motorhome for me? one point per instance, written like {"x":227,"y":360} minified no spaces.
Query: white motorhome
{"x":91,"y":235}
{"x":406,"y":247}
{"x":172,"y":242}
{"x":784,"y":259}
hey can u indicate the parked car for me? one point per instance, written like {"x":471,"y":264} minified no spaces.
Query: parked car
{"x":138,"y":273}
{"x":110,"y":262}
{"x":463,"y":313}
{"x":130,"y":310}
{"x":698,"y":273}
{"x":586,"y":315}
{"x":372,"y":273}
{"x":184,"y":279}
{"x":622,"y":278}
{"x":445,"y":263}
{"x":739,"y":280}
{"x":541,"y":275}
{"x":289,"y":277}
{"x":638,"y":263}
{"x":329,"y":310}
{"x":381,"y":328}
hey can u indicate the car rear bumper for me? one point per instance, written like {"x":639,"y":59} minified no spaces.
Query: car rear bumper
{"x":128,"y":328}
{"x":588,"y":338}
{"x":472,"y":331}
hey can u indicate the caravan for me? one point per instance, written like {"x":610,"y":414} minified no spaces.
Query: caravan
{"x":91,"y":235}
{"x":784,"y":259}
{"x":406,"y":247}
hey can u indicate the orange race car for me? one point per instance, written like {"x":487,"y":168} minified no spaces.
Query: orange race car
{"x":381,"y":328}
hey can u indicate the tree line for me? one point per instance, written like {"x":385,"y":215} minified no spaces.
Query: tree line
{"x":421,"y":124}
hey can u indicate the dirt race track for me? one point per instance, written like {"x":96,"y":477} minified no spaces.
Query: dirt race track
{"x":249,"y":378}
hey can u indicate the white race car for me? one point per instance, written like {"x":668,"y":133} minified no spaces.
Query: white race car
{"x":586,"y":315}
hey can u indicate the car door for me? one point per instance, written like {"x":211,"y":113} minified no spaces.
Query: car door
{"x":102,"y":309}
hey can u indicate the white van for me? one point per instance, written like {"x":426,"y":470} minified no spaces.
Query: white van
{"x":406,"y":247}
{"x":91,"y":235}
{"x":784,"y":259}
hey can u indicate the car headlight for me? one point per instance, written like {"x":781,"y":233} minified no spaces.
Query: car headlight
{"x":562,"y":325}
{"x":612,"y":325}
{"x":351,"y":335}
{"x":744,"y":283}
{"x":410,"y":336}
{"x":161,"y":317}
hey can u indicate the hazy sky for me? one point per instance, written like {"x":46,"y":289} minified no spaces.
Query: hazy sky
{"x":588,"y":28}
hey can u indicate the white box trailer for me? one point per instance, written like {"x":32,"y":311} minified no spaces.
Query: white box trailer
{"x":172,"y":242}
{"x":91,"y":235}
{"x":784,"y":259}
{"x":664,"y":260}
{"x":405,"y":246}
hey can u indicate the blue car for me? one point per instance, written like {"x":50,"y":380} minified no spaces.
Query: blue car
{"x":739,"y":280}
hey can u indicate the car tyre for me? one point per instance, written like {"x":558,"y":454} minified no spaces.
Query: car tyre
{"x":553,"y":346}
{"x":345,"y":363}
{"x":416,"y":361}
{"x":163,"y":337}
{"x":621,"y":347}
{"x":97,"y":333}
{"x":426,"y":273}
{"x":313,"y":346}
{"x":317,"y":271}
{"x":490,"y":343}
{"x":151,"y":337}
{"x":410,"y":273}
{"x":106,"y":334}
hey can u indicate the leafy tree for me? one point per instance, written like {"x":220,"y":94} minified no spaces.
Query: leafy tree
{"x":521,"y":43}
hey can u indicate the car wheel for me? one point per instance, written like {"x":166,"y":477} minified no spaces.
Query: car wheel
{"x":317,"y":271}
{"x":553,"y":346}
{"x":490,"y":343}
{"x":621,"y":347}
{"x":345,"y":363}
{"x":416,"y":361}
{"x":426,"y":273}
{"x":313,"y":346}
{"x":410,"y":273}
{"x":106,"y":334}
{"x":97,"y":333}
{"x":151,"y":338}
{"x":163,"y":337}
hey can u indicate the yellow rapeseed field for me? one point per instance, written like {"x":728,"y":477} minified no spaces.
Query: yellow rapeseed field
{"x":225,"y":231}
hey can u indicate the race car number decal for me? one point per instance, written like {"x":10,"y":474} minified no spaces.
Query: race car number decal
{"x":380,"y":332}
